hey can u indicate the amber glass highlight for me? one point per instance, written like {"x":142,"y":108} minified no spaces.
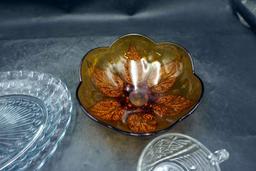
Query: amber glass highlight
{"x":138,"y":86}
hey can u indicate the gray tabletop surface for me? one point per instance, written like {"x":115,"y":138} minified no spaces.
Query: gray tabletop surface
{"x":224,"y":55}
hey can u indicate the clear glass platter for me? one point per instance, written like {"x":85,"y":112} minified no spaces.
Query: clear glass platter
{"x":35,"y":111}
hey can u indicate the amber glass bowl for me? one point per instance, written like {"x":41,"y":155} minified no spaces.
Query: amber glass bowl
{"x":137,"y":86}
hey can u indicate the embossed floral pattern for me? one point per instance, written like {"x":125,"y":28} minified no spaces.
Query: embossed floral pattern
{"x":137,"y":86}
{"x":136,"y":96}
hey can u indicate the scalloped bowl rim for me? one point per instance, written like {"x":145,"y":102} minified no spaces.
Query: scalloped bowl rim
{"x":102,"y":123}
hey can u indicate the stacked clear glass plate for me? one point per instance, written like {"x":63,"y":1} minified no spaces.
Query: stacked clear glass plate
{"x":35,"y":112}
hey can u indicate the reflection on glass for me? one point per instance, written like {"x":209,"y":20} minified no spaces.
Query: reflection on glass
{"x":138,"y":87}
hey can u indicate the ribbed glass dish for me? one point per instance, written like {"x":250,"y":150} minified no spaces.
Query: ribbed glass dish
{"x":178,"y":152}
{"x":35,"y":112}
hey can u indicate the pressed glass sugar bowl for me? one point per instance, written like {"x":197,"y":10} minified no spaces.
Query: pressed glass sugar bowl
{"x":179,"y":152}
{"x":137,"y":86}
{"x":35,"y":112}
